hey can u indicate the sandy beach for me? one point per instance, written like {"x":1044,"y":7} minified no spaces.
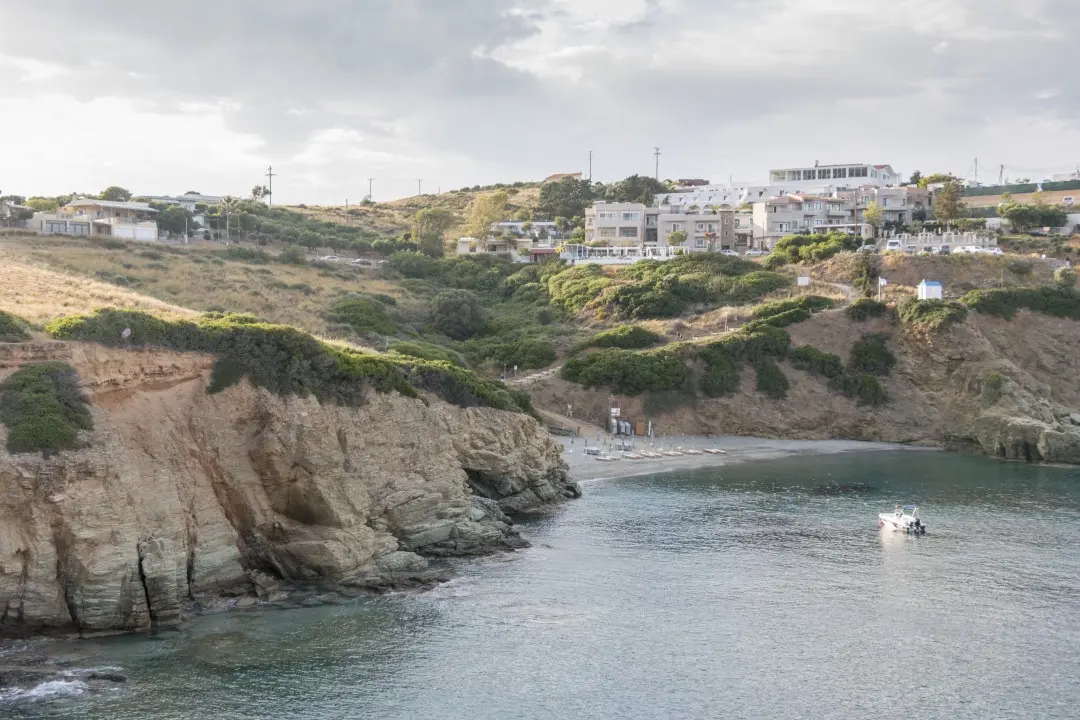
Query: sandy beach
{"x":736,"y":449}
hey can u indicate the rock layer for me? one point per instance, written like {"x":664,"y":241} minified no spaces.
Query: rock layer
{"x":183,"y":495}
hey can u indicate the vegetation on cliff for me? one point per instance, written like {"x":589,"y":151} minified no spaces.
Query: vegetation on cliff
{"x":627,"y":337}
{"x":12,"y":328}
{"x":1057,"y":301}
{"x":627,"y":372}
{"x":871,"y":355}
{"x":43,"y":408}
{"x":930,"y":314}
{"x":287,"y":361}
{"x":863,"y":387}
{"x":864,"y":308}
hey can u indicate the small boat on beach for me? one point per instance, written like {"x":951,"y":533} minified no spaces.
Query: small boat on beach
{"x":606,"y":458}
{"x":905,"y":518}
{"x":715,"y":451}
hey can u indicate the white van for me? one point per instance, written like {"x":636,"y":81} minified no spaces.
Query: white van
{"x":893,"y":245}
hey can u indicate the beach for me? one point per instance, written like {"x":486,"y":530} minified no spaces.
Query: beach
{"x":584,"y":468}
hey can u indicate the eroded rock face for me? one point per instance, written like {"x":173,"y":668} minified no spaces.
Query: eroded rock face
{"x":184,"y":495}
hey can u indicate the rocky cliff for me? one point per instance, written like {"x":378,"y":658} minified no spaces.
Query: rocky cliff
{"x":180,"y":495}
{"x":1004,"y":388}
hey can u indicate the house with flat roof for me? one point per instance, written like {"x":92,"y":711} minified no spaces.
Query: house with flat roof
{"x":87,"y":216}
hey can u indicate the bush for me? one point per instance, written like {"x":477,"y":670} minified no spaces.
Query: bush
{"x":805,"y":302}
{"x":43,"y":408}
{"x":871,"y":356}
{"x":1065,"y":277}
{"x":992,"y":385}
{"x":412,"y":264}
{"x":1021,"y":267}
{"x":749,"y":344}
{"x":931,"y":314}
{"x":363,"y":315}
{"x":287,"y":361}
{"x":239,"y":253}
{"x":721,"y":377}
{"x":775,"y":261}
{"x":867,"y":272}
{"x":427,"y":351}
{"x":627,"y":372}
{"x":816,"y":362}
{"x":784,"y":319}
{"x":525,"y":353}
{"x":1053,"y":301}
{"x":457,"y":314}
{"x":756,"y":285}
{"x":292,"y":255}
{"x":13,"y":328}
{"x":864,"y":308}
{"x":627,"y":337}
{"x":865,"y":389}
{"x":771,"y":380}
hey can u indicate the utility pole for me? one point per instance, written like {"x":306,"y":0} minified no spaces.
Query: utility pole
{"x":590,"y":166}
{"x":419,"y":184}
{"x":976,"y":172}
{"x":1001,"y":175}
{"x":656,"y":152}
{"x":369,"y":182}
{"x":346,"y":211}
{"x":270,"y":175}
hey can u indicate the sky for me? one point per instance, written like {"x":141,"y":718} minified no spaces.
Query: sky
{"x":164,"y":98}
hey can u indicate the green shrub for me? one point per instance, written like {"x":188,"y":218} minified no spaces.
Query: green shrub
{"x":287,"y":361}
{"x":1021,"y":267}
{"x":292,"y":255}
{"x":864,"y":308}
{"x":771,"y":380}
{"x":867,"y":272}
{"x":870,"y":355}
{"x":1065,"y":277}
{"x":755,"y":285}
{"x":627,"y":337}
{"x":784,"y":319}
{"x":864,"y":388}
{"x":992,"y":385}
{"x":721,"y":377}
{"x":43,"y":408}
{"x":812,"y":303}
{"x":13,"y":328}
{"x":627,"y":372}
{"x":427,"y":351}
{"x":412,"y":264}
{"x":363,"y":315}
{"x":1053,"y":301}
{"x":457,"y":314}
{"x":240,"y":253}
{"x":526,"y":353}
{"x":931,"y":314}
{"x":775,"y":261}
{"x":816,"y":362}
{"x":749,"y":344}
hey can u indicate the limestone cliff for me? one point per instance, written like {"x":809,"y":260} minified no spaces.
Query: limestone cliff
{"x":942,"y":392}
{"x":181,"y":495}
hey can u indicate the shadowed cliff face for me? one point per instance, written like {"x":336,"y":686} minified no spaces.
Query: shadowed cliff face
{"x":183,"y":495}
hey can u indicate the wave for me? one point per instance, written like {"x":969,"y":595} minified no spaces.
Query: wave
{"x":45,"y":691}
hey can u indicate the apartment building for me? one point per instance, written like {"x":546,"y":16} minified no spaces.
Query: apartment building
{"x":777,"y":217}
{"x":878,"y":175}
{"x":634,"y":224}
{"x":130,"y":220}
{"x":900,"y":205}
{"x":615,"y":223}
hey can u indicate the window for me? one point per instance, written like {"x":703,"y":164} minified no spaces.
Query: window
{"x":631,"y":216}
{"x":819,"y":222}
{"x":676,"y":227}
{"x":606,"y":215}
{"x":700,"y":227}
{"x":840,"y":173}
{"x":782,"y":226}
{"x":824,"y":174}
{"x":701,"y":242}
{"x":809,"y":175}
{"x":628,"y":232}
{"x":711,"y":227}
{"x":607,"y":232}
{"x":864,"y":200}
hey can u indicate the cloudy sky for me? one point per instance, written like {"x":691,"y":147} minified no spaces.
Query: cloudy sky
{"x":205,"y":94}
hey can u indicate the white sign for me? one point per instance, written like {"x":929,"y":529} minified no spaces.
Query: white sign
{"x":804,"y":282}
{"x":882,"y":281}
{"x":614,"y":412}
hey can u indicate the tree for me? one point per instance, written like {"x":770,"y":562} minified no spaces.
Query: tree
{"x":115,"y":193}
{"x":562,"y":224}
{"x":458,"y":314}
{"x":228,"y":205}
{"x":947,"y":205}
{"x":175,"y":219}
{"x":42,"y":204}
{"x":636,"y":189}
{"x":259,"y":192}
{"x":915,"y":178}
{"x":677,"y":238}
{"x":13,"y":199}
{"x":567,"y":198}
{"x":874,"y":216}
{"x":486,"y":210}
{"x":429,"y":230}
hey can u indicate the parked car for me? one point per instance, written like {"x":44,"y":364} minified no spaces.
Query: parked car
{"x":729,"y":253}
{"x":329,"y":258}
{"x":868,"y":248}
{"x":910,"y":250}
{"x":893,"y":245}
{"x":944,"y":250}
{"x":927,"y":250}
{"x":994,"y":251}
{"x":756,"y":252}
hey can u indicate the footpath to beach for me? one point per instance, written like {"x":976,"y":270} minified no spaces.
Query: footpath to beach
{"x":735,"y":450}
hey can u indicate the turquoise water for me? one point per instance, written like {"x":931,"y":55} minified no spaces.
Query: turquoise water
{"x":761,"y":590}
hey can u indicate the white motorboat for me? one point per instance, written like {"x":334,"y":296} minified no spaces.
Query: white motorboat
{"x":905,"y":518}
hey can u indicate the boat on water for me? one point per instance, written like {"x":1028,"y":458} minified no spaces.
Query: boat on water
{"x":905,"y":518}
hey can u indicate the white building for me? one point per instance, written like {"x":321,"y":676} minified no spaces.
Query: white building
{"x":129,"y":220}
{"x":777,"y":217}
{"x":930,"y":290}
{"x":636,"y":225}
{"x":847,"y":175}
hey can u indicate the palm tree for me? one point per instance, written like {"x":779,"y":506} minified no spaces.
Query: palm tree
{"x":229,"y":204}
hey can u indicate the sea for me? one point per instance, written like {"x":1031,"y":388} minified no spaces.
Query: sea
{"x":758,"y":590}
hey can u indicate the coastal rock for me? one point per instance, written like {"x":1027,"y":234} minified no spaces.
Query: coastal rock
{"x":183,"y":497}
